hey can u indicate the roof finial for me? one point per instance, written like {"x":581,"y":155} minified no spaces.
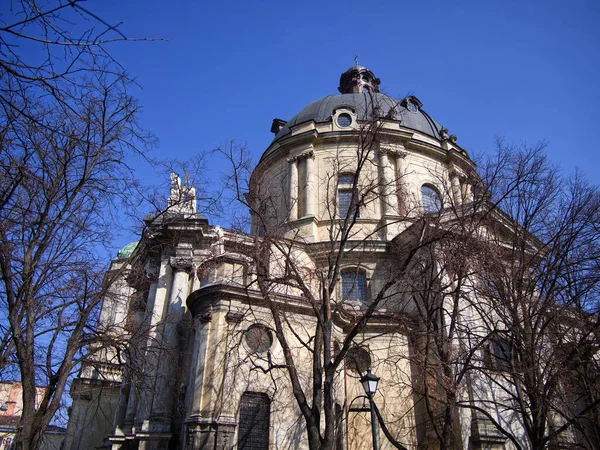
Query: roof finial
{"x":356,"y":60}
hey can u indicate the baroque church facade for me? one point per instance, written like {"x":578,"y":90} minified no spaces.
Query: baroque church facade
{"x":340,"y":197}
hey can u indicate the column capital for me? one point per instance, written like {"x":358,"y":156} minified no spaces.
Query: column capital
{"x":205,"y":317}
{"x":181,"y":263}
{"x":392,"y":152}
{"x":306,"y":155}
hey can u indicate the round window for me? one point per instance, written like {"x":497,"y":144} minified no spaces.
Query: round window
{"x":412,"y":107}
{"x":358,"y":360}
{"x":258,"y":338}
{"x":344,"y":120}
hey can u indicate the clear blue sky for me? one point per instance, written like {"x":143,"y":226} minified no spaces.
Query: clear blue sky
{"x":523,"y":70}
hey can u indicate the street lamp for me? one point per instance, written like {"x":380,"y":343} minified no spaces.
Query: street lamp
{"x":369,"y":382}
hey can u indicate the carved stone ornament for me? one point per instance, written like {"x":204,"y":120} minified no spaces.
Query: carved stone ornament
{"x":391,"y":152}
{"x":181,"y":263}
{"x":204,"y":317}
{"x":234,"y":316}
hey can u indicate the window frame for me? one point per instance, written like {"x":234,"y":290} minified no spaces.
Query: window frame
{"x":252,"y":416}
{"x":427,"y":200}
{"x":499,"y":354}
{"x":346,"y":185}
{"x":357,"y":275}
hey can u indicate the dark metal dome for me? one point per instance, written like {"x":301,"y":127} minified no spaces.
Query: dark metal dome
{"x":408,"y":111}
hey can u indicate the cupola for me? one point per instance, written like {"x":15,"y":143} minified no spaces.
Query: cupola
{"x":358,"y":79}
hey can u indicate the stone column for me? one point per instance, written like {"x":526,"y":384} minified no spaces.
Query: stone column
{"x":156,"y":431}
{"x":293,"y":208}
{"x":310,"y":188}
{"x":160,"y":281}
{"x":466,"y":190}
{"x":199,"y":430}
{"x":137,"y":359}
{"x":166,"y":382}
{"x":202,"y":325}
{"x":124,"y":396}
{"x":400,"y":174}
{"x":388,"y":182}
{"x":456,"y":191}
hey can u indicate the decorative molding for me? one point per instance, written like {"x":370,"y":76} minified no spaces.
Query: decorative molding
{"x":234,"y":317}
{"x":297,"y":158}
{"x":392,"y":152}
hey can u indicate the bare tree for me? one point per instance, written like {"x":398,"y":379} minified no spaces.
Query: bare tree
{"x":536,"y":291}
{"x":67,"y":128}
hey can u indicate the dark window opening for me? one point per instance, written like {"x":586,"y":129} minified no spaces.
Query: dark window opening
{"x":354,"y":286}
{"x":500,"y":355}
{"x":344,"y":120}
{"x":345,"y":191}
{"x":344,"y":202}
{"x":254,"y":421}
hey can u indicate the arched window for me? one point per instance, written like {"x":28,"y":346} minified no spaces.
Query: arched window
{"x":354,"y":285}
{"x":254,"y":421}
{"x":431,"y":199}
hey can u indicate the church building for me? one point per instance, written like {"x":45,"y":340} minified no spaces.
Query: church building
{"x":259,"y":339}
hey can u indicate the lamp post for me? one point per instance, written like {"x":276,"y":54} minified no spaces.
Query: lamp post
{"x":369,"y":382}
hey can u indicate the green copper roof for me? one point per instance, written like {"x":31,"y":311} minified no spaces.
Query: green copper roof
{"x":126,"y":251}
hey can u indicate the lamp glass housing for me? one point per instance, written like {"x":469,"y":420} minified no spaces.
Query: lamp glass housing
{"x":369,"y":382}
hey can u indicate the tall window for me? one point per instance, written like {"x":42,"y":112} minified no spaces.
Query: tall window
{"x":430,"y":197}
{"x":345,"y":188}
{"x":499,"y":354}
{"x":354,"y":285}
{"x":254,"y":422}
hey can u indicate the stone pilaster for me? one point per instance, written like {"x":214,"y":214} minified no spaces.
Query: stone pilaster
{"x":137,"y":363}
{"x":310,"y":185}
{"x":456,"y":191}
{"x":160,"y":282}
{"x":293,"y":206}
{"x":388,"y":184}
{"x":400,"y":174}
{"x":166,"y":382}
{"x":202,"y":325}
{"x":466,"y":190}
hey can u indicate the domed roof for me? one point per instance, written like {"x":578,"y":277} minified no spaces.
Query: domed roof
{"x":126,"y":251}
{"x":407,"y":111}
